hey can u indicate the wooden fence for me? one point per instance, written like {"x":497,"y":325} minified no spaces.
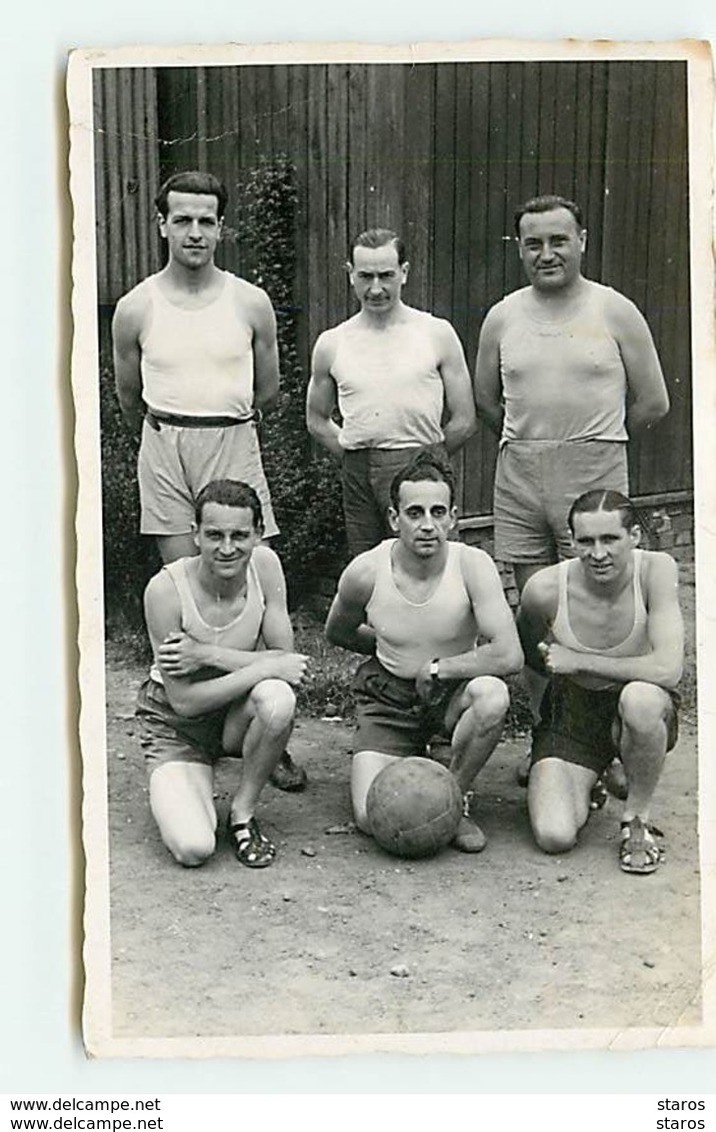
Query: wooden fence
{"x":443,"y":153}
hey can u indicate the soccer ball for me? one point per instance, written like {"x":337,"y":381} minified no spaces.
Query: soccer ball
{"x":414,"y":807}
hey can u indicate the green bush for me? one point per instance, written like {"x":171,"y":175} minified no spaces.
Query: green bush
{"x":304,"y":482}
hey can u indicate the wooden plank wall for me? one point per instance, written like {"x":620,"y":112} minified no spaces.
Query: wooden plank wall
{"x":126,"y":175}
{"x":444,"y":153}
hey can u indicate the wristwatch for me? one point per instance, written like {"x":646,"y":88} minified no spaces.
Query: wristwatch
{"x":435,"y":669}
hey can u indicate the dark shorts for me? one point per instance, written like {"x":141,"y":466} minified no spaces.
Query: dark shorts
{"x":167,"y":737}
{"x":582,"y":726}
{"x":366,"y":476}
{"x":390,"y":715}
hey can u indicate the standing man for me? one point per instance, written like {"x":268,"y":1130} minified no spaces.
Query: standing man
{"x":196,"y":364}
{"x":567,"y":372}
{"x":210,"y":692}
{"x":399,"y":379}
{"x":432,"y":617}
{"x":606,"y":629}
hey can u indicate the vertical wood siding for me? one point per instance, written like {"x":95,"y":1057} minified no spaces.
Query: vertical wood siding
{"x":443,"y":153}
{"x":126,"y":176}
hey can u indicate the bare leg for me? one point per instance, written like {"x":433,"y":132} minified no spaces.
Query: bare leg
{"x":558,"y":802}
{"x":259,"y":728}
{"x":182,"y":802}
{"x":643,"y":712}
{"x":483,"y":706}
{"x":365,"y":767}
{"x":534,"y":683}
{"x":171,"y":547}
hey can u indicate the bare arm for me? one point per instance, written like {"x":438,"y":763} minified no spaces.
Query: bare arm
{"x":461,"y":421}
{"x":499,"y":652}
{"x":647,"y":396}
{"x":127,"y":356}
{"x":266,"y":374}
{"x":182,"y":655}
{"x":276,"y":628}
{"x":538,"y":607}
{"x":346,"y":623}
{"x":190,"y":698}
{"x":488,"y":381}
{"x":663,"y":663}
{"x":321,"y":398}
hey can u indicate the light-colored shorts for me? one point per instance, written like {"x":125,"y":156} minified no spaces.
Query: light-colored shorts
{"x":536,"y":483}
{"x":175,"y":463}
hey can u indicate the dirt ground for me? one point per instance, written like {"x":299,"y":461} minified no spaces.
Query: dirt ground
{"x":509,"y":939}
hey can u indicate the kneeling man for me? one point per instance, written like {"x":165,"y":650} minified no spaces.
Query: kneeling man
{"x":432,"y":617}
{"x":607,"y":629}
{"x":210,"y":692}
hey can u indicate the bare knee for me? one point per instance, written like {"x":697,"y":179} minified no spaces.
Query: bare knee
{"x":190,"y":850}
{"x":643,"y":708}
{"x":554,"y":839}
{"x":489,"y":701}
{"x":274,"y":704}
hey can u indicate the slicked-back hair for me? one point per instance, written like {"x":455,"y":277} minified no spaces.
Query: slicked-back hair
{"x":547,"y":203}
{"x":601,"y":500}
{"x":378,"y":238}
{"x":192,"y":181}
{"x":424,"y":466}
{"x":229,"y":493}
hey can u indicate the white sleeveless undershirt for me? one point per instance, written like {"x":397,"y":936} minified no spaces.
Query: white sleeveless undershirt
{"x":242,"y":633}
{"x":409,"y":633}
{"x":636,"y":641}
{"x":562,"y":379}
{"x":197,"y":363}
{"x":390,"y":391}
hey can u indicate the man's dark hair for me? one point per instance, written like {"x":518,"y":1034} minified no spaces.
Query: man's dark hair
{"x":601,"y":500}
{"x":424,"y":466}
{"x":192,"y":181}
{"x":229,"y":493}
{"x":547,"y":203}
{"x":378,"y":238}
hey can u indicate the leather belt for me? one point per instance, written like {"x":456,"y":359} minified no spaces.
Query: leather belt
{"x":156,"y":420}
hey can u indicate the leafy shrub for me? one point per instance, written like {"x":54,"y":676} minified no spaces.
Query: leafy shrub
{"x":304,"y":482}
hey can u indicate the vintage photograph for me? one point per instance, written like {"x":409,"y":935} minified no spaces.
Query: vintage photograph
{"x":386,"y":368}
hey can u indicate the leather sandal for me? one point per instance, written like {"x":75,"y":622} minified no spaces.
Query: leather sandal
{"x":638,"y":851}
{"x":251,"y":847}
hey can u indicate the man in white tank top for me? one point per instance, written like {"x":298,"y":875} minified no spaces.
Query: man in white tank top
{"x":566,"y":373}
{"x":211,"y":691}
{"x":606,"y":631}
{"x":432,"y":617}
{"x":397,"y":377}
{"x":196,"y":362}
